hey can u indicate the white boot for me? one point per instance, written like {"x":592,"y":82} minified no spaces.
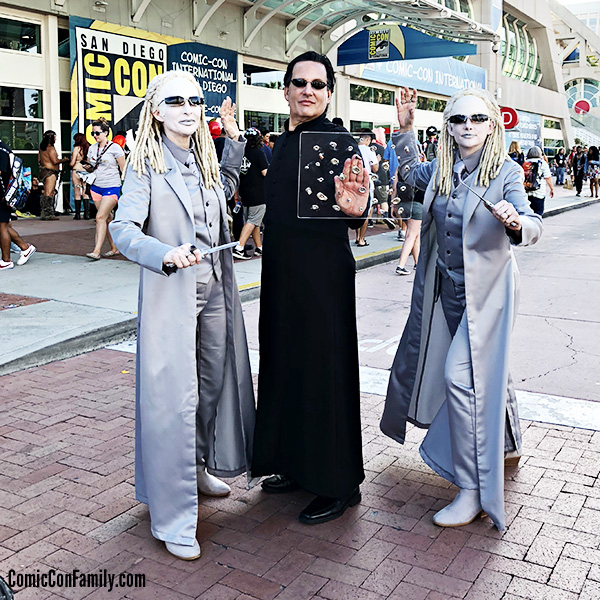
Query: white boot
{"x":464,"y":509}
{"x":209,"y":485}
{"x":184,"y":552}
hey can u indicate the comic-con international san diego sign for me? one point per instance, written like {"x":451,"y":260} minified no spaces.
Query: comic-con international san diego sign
{"x":111,"y":67}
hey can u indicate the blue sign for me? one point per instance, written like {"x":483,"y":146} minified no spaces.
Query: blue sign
{"x":215,"y":69}
{"x":443,"y":76}
{"x":394,"y":42}
{"x":528,"y":132}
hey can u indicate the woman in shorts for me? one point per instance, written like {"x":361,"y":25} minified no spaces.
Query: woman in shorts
{"x":108,"y":160}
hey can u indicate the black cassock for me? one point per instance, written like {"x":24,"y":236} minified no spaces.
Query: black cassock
{"x":308,"y":415}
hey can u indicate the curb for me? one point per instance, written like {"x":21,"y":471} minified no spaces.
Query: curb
{"x":120,"y":332}
{"x":125,"y":330}
{"x":567,"y":207}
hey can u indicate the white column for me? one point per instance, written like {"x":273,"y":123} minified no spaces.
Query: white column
{"x":52,"y":77}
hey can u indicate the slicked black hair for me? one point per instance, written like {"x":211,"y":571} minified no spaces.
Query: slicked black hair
{"x":311,"y":56}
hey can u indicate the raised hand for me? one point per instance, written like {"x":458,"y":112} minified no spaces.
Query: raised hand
{"x":227,"y":114}
{"x":405,"y":105}
{"x":352,"y":187}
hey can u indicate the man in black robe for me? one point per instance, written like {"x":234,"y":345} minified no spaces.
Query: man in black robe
{"x":308,"y":428}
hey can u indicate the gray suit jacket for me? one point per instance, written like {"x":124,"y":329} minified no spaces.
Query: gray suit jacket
{"x":154,"y":215}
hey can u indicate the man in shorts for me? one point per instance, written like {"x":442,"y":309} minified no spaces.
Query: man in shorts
{"x":7,"y":233}
{"x":252,"y":192}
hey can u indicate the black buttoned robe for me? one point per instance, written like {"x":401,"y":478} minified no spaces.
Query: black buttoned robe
{"x":308,"y":414}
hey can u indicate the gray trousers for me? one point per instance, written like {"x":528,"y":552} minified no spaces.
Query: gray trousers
{"x":210,"y":362}
{"x":453,"y":428}
{"x":460,"y":393}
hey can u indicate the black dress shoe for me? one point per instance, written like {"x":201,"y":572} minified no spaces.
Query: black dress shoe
{"x":279,"y":484}
{"x":323,"y":509}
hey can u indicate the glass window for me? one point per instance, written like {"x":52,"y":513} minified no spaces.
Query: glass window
{"x":65,"y":106}
{"x":20,"y":102}
{"x":21,"y":135}
{"x":522,"y":52}
{"x":431,"y":104}
{"x":365,"y":93}
{"x":356,"y":125}
{"x":16,"y":35}
{"x":262,"y":120}
{"x":263,"y":77}
{"x":63,"y":43}
{"x":551,"y":124}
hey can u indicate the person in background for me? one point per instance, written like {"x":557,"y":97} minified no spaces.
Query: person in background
{"x":431,"y":145}
{"x":252,"y":192}
{"x":592,"y":170}
{"x":371,"y":162}
{"x":49,"y":165}
{"x":537,"y":197}
{"x":7,"y":234}
{"x":78,"y":176}
{"x":338,"y":121}
{"x":266,"y":147}
{"x":194,"y":396}
{"x":515,"y":152}
{"x":578,"y":169}
{"x":108,"y":160}
{"x":560,"y":163}
{"x":450,"y":373}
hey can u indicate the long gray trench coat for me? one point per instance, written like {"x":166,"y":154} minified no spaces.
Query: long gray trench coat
{"x":416,"y":386}
{"x":154,"y":215}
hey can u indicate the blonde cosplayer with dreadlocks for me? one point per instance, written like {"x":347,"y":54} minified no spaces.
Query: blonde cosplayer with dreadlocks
{"x":148,"y":139}
{"x":494,"y":149}
{"x":450,"y":373}
{"x":194,"y":395}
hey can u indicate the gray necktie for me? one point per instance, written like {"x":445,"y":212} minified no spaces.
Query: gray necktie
{"x":460,"y":172}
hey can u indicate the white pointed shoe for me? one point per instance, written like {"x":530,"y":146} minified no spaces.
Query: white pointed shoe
{"x":464,"y":509}
{"x":209,"y":485}
{"x":184,"y":552}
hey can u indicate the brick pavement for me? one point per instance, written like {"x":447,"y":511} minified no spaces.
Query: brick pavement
{"x":67,"y":501}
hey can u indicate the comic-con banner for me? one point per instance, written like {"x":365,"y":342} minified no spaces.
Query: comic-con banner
{"x":112,"y":65}
{"x":113,"y":75}
{"x":215,"y":69}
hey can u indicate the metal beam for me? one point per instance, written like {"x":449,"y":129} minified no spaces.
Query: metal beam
{"x":138,"y":8}
{"x":202,"y":12}
{"x":252,"y":24}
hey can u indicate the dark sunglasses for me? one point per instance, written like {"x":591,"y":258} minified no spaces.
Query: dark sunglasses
{"x":96,"y":133}
{"x":317,"y":84}
{"x":461,"y":119}
{"x":180,"y":100}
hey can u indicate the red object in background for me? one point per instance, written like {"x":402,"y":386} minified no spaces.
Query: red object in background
{"x":214,"y":128}
{"x":510,"y":117}
{"x":582,"y":107}
{"x":119,"y":139}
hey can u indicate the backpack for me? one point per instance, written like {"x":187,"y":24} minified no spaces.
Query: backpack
{"x":532,"y":178}
{"x":431,"y":151}
{"x":19,"y":182}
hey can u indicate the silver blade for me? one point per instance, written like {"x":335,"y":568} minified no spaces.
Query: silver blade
{"x":489,"y":205}
{"x":206,"y":251}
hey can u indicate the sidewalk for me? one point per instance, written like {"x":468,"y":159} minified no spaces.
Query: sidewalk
{"x":67,"y":502}
{"x":61,"y":303}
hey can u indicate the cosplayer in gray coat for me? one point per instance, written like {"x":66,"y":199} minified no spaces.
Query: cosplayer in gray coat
{"x":451,"y":369}
{"x":194,"y":401}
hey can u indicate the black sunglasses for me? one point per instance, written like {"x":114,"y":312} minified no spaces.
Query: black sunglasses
{"x":180,"y":100}
{"x":461,"y":119}
{"x":315,"y":83}
{"x":96,"y":133}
